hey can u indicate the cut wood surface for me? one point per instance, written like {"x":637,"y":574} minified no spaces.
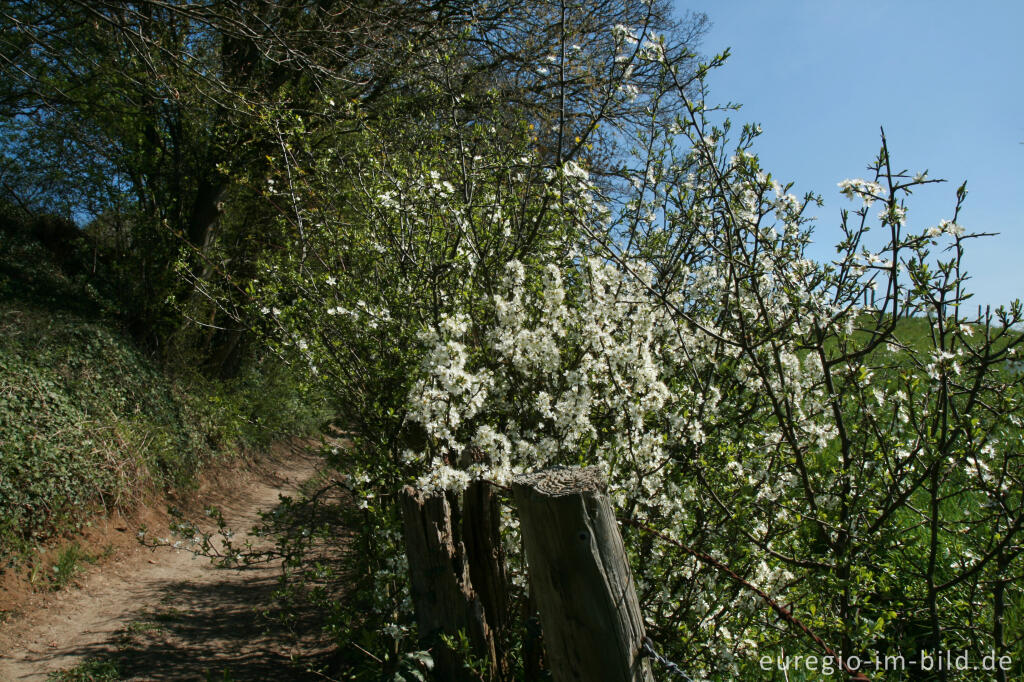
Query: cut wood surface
{"x":589,"y":612}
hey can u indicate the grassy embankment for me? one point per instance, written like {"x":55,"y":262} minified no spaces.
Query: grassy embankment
{"x":89,"y":422}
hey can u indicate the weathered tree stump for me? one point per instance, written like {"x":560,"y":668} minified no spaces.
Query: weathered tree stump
{"x":442,"y":592}
{"x":589,"y":612}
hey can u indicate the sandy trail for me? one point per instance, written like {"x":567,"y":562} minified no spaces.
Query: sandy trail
{"x":166,"y":615}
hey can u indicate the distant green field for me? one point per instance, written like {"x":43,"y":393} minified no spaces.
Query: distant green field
{"x":919,"y":334}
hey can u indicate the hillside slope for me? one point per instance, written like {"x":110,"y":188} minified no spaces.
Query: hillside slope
{"x":90,"y":421}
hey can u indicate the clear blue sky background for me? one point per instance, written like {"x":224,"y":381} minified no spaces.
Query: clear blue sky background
{"x":945,"y":79}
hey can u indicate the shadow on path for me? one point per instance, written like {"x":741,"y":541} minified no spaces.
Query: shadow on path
{"x":213,"y":629}
{"x":176,"y":617}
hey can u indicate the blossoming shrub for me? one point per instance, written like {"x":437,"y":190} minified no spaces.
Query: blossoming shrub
{"x":785,"y":417}
{"x":841,"y":435}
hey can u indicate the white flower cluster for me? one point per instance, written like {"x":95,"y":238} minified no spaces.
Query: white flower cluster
{"x":868,"y":191}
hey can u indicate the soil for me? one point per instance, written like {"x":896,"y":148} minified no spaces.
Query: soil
{"x":165,"y":614}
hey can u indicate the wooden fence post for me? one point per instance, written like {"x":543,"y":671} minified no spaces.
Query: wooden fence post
{"x":589,"y":612}
{"x":481,"y":535}
{"x":442,"y":591}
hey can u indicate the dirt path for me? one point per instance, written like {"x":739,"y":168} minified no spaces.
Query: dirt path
{"x":165,"y":615}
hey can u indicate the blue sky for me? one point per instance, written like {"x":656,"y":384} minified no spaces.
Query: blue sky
{"x":945,"y":79}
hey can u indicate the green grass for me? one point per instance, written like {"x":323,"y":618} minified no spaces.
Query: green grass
{"x":92,"y":670}
{"x":141,"y":627}
{"x":70,"y":562}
